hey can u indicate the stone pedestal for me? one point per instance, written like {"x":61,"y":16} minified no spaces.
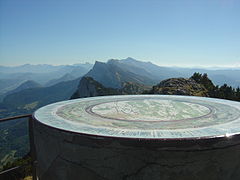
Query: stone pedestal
{"x":112,"y":138}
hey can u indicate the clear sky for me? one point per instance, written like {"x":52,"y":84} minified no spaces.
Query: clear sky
{"x":165,"y":32}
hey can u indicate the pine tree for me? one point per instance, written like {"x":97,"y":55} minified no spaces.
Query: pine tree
{"x":223,"y":92}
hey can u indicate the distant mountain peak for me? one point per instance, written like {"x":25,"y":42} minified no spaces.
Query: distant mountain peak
{"x":64,"y":78}
{"x":112,"y":60}
{"x":25,"y":65}
{"x":25,"y":85}
{"x":149,"y":62}
{"x":29,"y":84}
{"x":130,"y":59}
{"x":99,"y":62}
{"x":114,"y":72}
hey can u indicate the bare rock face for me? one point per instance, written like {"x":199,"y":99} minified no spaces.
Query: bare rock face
{"x":180,"y":86}
{"x":88,"y":87}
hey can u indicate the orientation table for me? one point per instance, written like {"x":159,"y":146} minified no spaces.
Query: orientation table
{"x":138,"y":137}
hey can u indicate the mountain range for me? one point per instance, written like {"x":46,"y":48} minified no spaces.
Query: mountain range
{"x":27,"y":100}
{"x":24,"y":91}
{"x":46,"y":75}
{"x":62,"y":81}
{"x":41,"y":68}
{"x":114,"y":72}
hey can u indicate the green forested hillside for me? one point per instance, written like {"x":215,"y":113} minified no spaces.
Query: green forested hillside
{"x":13,"y":140}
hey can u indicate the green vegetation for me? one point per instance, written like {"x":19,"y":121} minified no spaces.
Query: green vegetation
{"x":31,"y":106}
{"x":222,"y":92}
{"x":14,"y":148}
{"x":7,"y":159}
{"x":14,"y":143}
{"x":24,"y":171}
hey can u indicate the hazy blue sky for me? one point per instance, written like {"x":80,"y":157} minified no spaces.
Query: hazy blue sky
{"x":166,"y":32}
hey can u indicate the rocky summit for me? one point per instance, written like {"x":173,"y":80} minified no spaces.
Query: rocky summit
{"x":180,"y":86}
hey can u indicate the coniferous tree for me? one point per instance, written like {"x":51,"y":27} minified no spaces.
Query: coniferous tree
{"x":223,"y":92}
{"x":238,"y":94}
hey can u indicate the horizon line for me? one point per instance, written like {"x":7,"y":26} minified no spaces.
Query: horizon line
{"x":236,"y":66}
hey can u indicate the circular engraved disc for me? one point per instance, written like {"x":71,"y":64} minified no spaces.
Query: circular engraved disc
{"x":150,"y":110}
{"x":145,"y":116}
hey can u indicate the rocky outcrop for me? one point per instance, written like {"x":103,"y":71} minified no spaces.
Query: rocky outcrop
{"x":88,"y":87}
{"x":180,"y":86}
